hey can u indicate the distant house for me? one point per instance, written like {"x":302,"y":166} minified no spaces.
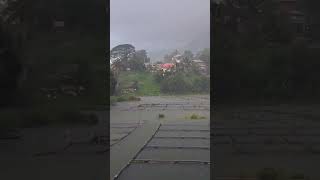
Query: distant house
{"x":167,"y":66}
{"x":177,"y":58}
{"x":203,"y":67}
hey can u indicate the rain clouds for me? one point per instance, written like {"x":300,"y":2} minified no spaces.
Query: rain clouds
{"x":155,"y":25}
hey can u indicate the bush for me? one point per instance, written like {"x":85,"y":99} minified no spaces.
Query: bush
{"x":201,"y":84}
{"x":196,"y":116}
{"x":176,"y":84}
{"x":161,"y":115}
{"x":185,"y":83}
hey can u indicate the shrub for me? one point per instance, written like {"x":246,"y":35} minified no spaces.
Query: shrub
{"x":176,"y":84}
{"x":196,"y":116}
{"x":161,"y":115}
{"x":201,"y":84}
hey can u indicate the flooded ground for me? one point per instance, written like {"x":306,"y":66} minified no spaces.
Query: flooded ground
{"x":167,"y":143}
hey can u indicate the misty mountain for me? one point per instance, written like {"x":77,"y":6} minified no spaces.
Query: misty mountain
{"x":200,"y":42}
{"x":157,"y":55}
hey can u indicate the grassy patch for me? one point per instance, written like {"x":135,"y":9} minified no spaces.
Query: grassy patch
{"x":195,"y":116}
{"x":147,"y":85}
{"x":161,"y":115}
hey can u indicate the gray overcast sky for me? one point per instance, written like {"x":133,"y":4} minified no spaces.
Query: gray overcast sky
{"x":158,"y":24}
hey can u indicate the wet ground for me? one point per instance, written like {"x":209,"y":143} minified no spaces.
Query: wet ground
{"x":169,"y":147}
{"x":142,"y":145}
{"x":155,"y":138}
{"x":56,"y":153}
{"x":248,"y":139}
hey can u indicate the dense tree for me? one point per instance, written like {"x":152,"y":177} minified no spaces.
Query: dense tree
{"x":120,"y":56}
{"x":188,"y":54}
{"x":140,"y":57}
{"x":204,"y":55}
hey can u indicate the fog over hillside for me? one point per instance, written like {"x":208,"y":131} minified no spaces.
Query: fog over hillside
{"x":162,"y":27}
{"x":200,"y":42}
